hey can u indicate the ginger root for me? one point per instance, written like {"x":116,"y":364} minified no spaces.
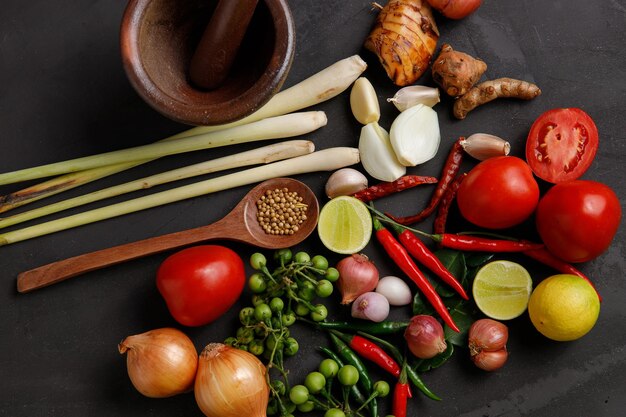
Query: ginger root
{"x":456,"y":72}
{"x":491,"y":90}
{"x":404,"y":38}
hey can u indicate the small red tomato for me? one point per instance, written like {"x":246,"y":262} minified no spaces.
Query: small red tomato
{"x":498,"y":193}
{"x":201,"y":283}
{"x":455,"y":9}
{"x":561,"y":144}
{"x":577,"y":220}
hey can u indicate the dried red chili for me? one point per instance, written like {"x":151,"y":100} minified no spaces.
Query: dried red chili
{"x":542,"y":255}
{"x":401,"y":257}
{"x":450,"y":170}
{"x":384,"y":189}
{"x":446,"y":202}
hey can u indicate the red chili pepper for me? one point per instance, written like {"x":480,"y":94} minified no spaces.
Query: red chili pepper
{"x":370,"y":351}
{"x":481,"y":244}
{"x":387,"y":188}
{"x":401,"y":257}
{"x":420,"y":251}
{"x":401,"y":394}
{"x":446,"y":202}
{"x":546,"y":258}
{"x":450,"y":170}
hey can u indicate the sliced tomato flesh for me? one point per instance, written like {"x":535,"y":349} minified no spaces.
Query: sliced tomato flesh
{"x":562,"y":144}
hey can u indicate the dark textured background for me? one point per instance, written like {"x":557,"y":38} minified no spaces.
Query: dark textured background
{"x":63,"y":94}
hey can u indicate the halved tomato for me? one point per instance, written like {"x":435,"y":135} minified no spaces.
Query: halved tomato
{"x":561,"y":144}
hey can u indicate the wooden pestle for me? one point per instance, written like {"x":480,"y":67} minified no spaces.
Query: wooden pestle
{"x":220,"y":42}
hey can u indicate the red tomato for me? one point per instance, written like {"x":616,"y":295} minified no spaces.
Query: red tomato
{"x":498,"y":193}
{"x":561,"y":144}
{"x":578,"y":219}
{"x":201,"y":283}
{"x":455,"y":9}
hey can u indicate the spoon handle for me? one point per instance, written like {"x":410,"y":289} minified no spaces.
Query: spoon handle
{"x":61,"y":270}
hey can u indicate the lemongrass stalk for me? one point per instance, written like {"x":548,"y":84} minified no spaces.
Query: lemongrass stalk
{"x":320,"y":87}
{"x":289,"y":125}
{"x":325,"y":160}
{"x":263,"y":155}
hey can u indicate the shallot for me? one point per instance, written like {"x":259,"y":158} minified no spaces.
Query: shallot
{"x":371,"y":306}
{"x":487,"y":344}
{"x":357,"y":275}
{"x":425,"y":337}
{"x":395,"y":289}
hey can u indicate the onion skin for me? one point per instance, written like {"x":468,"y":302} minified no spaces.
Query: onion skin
{"x":357,"y":275}
{"x":161,"y":363}
{"x":230,"y":383}
{"x":424,"y":337}
{"x":455,"y":9}
{"x":487,"y":344}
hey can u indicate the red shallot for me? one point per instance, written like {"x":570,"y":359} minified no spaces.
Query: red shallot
{"x":371,"y":306}
{"x":357,"y":275}
{"x":424,"y":336}
{"x":487,"y":344}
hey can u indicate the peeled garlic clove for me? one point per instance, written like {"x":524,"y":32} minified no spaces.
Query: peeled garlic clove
{"x":377,"y":155}
{"x":413,"y":95}
{"x":345,"y":181}
{"x":415,"y":135}
{"x":483,"y":146}
{"x":364,"y":102}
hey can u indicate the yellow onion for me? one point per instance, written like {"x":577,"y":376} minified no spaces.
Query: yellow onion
{"x":230,"y":383}
{"x":161,"y":362}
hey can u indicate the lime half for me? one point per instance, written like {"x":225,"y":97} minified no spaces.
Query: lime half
{"x":345,"y":225}
{"x":501,"y":289}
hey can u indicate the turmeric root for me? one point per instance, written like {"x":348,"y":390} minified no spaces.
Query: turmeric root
{"x":491,"y":90}
{"x":456,"y":72}
{"x":404,"y":38}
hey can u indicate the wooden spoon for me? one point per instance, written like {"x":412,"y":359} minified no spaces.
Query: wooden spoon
{"x":240,"y":225}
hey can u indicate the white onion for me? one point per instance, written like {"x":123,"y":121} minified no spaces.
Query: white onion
{"x":395,"y":290}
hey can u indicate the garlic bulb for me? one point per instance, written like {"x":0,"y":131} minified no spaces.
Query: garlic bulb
{"x":413,"y":95}
{"x":161,"y":362}
{"x":230,"y":383}
{"x":484,"y":146}
{"x":345,"y":181}
{"x":415,"y":135}
{"x":364,"y":102}
{"x":377,"y":155}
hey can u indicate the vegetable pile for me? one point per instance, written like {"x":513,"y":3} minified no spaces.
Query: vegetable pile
{"x":442,"y":279}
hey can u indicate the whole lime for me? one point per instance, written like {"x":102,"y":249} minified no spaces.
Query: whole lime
{"x":564,"y":307}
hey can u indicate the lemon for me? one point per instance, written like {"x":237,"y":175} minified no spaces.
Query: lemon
{"x":345,"y":225}
{"x":501,"y":289}
{"x":564,"y":307}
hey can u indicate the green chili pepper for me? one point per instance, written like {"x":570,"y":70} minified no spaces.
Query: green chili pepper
{"x":350,"y":357}
{"x":388,"y":327}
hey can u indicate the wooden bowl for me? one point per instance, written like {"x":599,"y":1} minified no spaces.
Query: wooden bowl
{"x":158,"y":39}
